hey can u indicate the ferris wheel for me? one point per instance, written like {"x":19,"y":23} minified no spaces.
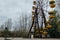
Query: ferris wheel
{"x":40,"y":25}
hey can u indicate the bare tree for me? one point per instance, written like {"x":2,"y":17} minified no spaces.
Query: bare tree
{"x":8,"y":24}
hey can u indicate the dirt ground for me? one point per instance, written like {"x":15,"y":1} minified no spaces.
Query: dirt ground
{"x":28,"y":39}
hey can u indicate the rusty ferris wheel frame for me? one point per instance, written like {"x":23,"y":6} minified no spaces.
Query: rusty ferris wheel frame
{"x":35,"y":22}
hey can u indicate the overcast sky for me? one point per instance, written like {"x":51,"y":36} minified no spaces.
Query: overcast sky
{"x":13,"y":9}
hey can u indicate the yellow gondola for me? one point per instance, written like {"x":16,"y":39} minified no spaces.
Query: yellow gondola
{"x":41,"y":31}
{"x":49,"y":26}
{"x":34,"y":2}
{"x":51,"y":16}
{"x":33,"y":12}
{"x":52,"y":1}
{"x":33,"y":7}
{"x":32,"y":16}
{"x":45,"y":33}
{"x":47,"y":21}
{"x":32,"y":19}
{"x":52,"y":5}
{"x":45,"y":28}
{"x":51,"y":12}
{"x":37,"y":30}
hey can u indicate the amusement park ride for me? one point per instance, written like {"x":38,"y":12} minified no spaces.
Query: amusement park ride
{"x":42,"y":31}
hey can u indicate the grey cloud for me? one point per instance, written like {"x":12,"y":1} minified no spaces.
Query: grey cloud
{"x":14,"y":8}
